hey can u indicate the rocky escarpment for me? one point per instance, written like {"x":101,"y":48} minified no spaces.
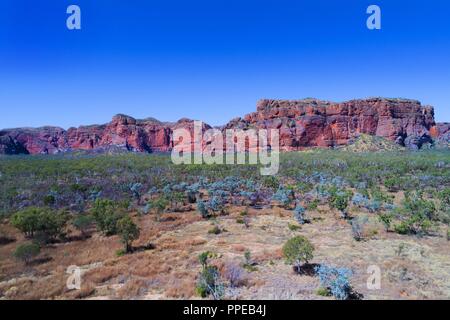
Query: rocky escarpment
{"x":122,"y":133}
{"x":302,"y":123}
{"x":311,"y":122}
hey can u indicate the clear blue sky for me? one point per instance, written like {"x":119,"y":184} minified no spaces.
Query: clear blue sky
{"x":212,"y":60}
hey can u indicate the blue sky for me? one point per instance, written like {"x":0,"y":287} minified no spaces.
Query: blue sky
{"x":212,"y":60}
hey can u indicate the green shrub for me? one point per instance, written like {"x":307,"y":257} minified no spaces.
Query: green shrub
{"x":49,"y":200}
{"x":391,"y":184}
{"x":416,"y":215}
{"x":128,"y":231}
{"x":209,"y":283}
{"x":271,"y":182}
{"x":83,"y":223}
{"x":27,"y":221}
{"x":444,"y":197}
{"x":159,"y":205}
{"x":203,"y":258}
{"x":339,"y":200}
{"x":386,"y":220}
{"x":106,"y":214}
{"x":40,"y":222}
{"x":324,"y":292}
{"x":26,"y":252}
{"x":215,"y":230}
{"x":313,"y":205}
{"x":298,"y":250}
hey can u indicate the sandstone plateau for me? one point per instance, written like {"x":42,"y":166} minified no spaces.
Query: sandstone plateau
{"x":302,"y":123}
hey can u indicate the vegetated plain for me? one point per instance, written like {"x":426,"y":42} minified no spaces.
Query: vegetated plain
{"x":140,"y":227}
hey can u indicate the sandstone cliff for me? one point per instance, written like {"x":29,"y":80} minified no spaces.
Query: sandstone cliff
{"x":302,"y":123}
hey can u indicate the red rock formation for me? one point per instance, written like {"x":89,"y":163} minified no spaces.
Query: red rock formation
{"x":123,"y":132}
{"x":302,"y":123}
{"x":310,"y":122}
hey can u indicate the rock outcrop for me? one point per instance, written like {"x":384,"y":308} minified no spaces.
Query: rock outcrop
{"x":311,"y":122}
{"x":122,"y":133}
{"x":302,"y":123}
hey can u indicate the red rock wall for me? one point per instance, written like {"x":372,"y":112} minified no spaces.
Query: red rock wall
{"x":302,"y":123}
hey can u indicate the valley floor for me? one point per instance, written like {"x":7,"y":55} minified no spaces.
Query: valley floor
{"x":411,"y":267}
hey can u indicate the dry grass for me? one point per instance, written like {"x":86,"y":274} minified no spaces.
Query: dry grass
{"x":419,"y":269}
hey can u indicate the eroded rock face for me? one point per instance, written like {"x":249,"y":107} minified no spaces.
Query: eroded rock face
{"x":122,"y":133}
{"x":302,"y":123}
{"x":311,"y":122}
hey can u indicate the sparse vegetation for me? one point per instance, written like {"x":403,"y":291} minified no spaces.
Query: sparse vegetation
{"x":377,"y":194}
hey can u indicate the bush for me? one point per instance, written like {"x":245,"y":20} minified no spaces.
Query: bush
{"x":293,"y":227}
{"x":283,"y":196}
{"x":160,"y":204}
{"x":235,"y":275}
{"x":324,"y":292}
{"x":392,"y":184}
{"x":216,"y":204}
{"x":203,"y":258}
{"x":298,"y":250}
{"x":83,"y":223}
{"x":416,"y":215}
{"x":128,"y":231}
{"x":106,"y":214}
{"x":299,"y":213}
{"x":358,"y":225}
{"x":215,"y":230}
{"x":201,"y":208}
{"x":135,"y":189}
{"x":336,"y":280}
{"x":339,"y":200}
{"x":209,"y":283}
{"x":40,"y":222}
{"x":444,"y":197}
{"x":27,"y":221}
{"x":386,"y":220}
{"x":271,"y":182}
{"x":26,"y":252}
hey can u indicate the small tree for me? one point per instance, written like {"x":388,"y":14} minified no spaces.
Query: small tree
{"x":159,"y":205}
{"x":135,"y":189}
{"x":83,"y":223}
{"x":128,"y":231}
{"x":106,"y":213}
{"x":40,"y":222}
{"x":340,"y":201}
{"x":203,"y":258}
{"x":335,"y":280}
{"x":26,"y":252}
{"x":298,"y":250}
{"x":386,"y":220}
{"x":201,"y":208}
{"x":209,"y":283}
{"x":27,"y":221}
{"x":299,"y":213}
